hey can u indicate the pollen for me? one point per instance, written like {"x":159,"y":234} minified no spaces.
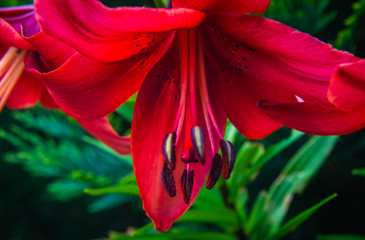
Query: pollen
{"x":187,"y":179}
{"x":198,"y":140}
{"x":168,"y":149}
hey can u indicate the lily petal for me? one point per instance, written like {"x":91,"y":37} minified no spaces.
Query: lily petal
{"x":154,"y":117}
{"x":313,"y":118}
{"x":102,"y":130}
{"x":99,"y":88}
{"x":26,"y":92}
{"x":276,"y":55}
{"x":232,"y":6}
{"x":347,"y":87}
{"x":107,"y":34}
{"x":10,"y":37}
{"x":263,"y":59}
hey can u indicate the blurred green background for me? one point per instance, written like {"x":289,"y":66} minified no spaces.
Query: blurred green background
{"x":47,"y":160}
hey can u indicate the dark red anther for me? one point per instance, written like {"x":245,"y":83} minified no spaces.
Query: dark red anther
{"x":190,"y":157}
{"x":187,"y":185}
{"x":229,"y":157}
{"x":168,"y":181}
{"x":198,"y":139}
{"x":168,"y":149}
{"x":215,"y":171}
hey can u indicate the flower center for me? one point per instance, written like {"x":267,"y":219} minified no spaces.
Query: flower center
{"x":11,"y":68}
{"x":193,"y":142}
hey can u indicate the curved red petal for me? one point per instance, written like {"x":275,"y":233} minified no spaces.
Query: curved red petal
{"x":232,"y":6}
{"x":10,"y":37}
{"x":26,"y":92}
{"x":107,"y":34}
{"x":102,"y":130}
{"x":86,"y":89}
{"x":313,"y":118}
{"x":47,"y":100}
{"x":263,"y":59}
{"x":154,"y":117}
{"x":53,"y":52}
{"x":347,"y":88}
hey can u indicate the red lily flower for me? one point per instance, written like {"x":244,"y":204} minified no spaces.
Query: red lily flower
{"x":22,"y":43}
{"x":197,"y":63}
{"x":19,"y":35}
{"x":346,"y":91}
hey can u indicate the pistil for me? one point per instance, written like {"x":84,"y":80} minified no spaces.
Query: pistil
{"x":11,"y":68}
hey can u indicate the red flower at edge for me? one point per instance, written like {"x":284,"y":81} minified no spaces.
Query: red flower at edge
{"x":22,"y":43}
{"x":19,"y":36}
{"x":194,"y":65}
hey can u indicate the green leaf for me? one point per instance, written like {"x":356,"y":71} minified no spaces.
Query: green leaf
{"x":340,"y":237}
{"x":222,"y":216}
{"x":248,"y":154}
{"x":292,"y":224}
{"x":270,"y":209}
{"x":209,"y":199}
{"x":64,"y":190}
{"x":359,"y":171}
{"x":251,"y":158}
{"x":122,"y":189}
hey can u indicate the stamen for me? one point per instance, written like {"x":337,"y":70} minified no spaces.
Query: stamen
{"x":204,"y":89}
{"x":7,"y":59}
{"x":215,"y":171}
{"x":190,"y":157}
{"x":187,"y":184}
{"x":229,"y":157}
{"x":168,"y":149}
{"x":184,"y":68}
{"x":192,"y":72}
{"x":202,"y":81}
{"x":198,"y":139}
{"x":14,"y":68}
{"x":168,"y":181}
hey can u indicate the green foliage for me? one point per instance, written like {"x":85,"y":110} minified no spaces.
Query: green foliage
{"x":309,"y":16}
{"x":6,"y":3}
{"x":227,"y":207}
{"x":348,"y":37}
{"x":359,"y":171}
{"x":53,"y":145}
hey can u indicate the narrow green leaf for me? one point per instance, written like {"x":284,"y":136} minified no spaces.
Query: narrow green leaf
{"x":221,"y":216}
{"x":248,"y":154}
{"x":359,"y":171}
{"x":160,"y":3}
{"x":274,"y":150}
{"x":209,"y":199}
{"x":292,"y":224}
{"x":270,"y":209}
{"x":123,"y":189}
{"x":340,"y":237}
